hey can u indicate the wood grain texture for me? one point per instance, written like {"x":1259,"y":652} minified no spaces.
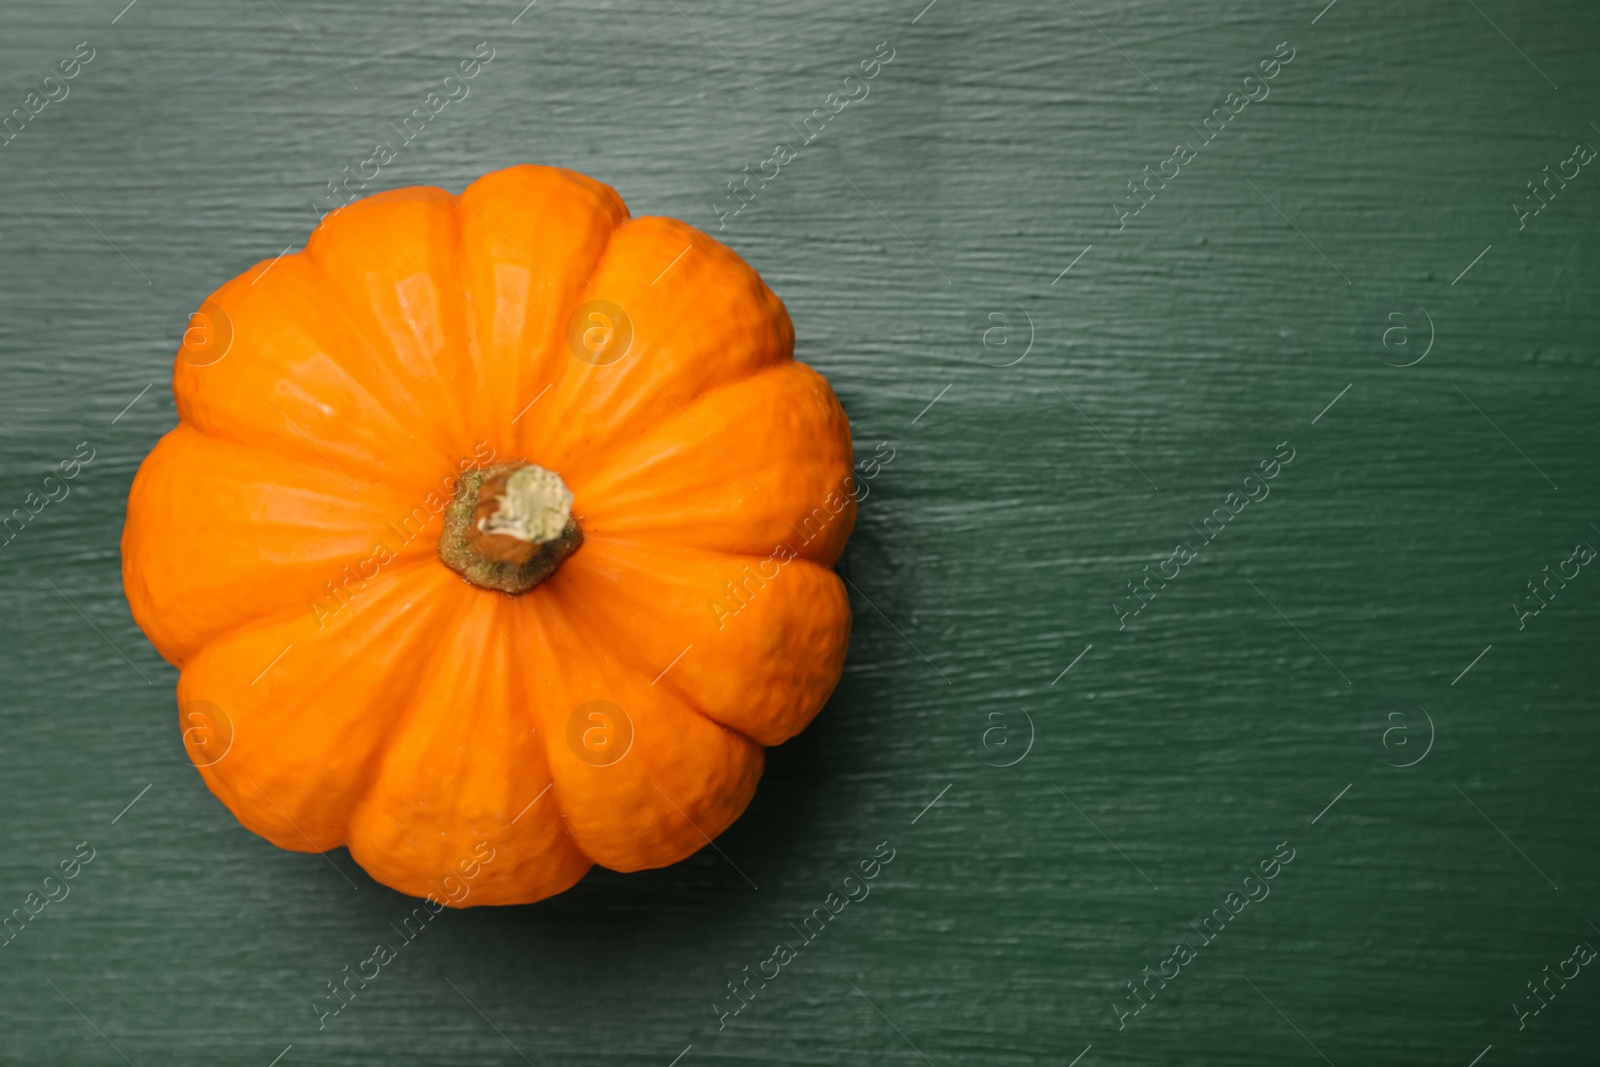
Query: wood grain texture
{"x":1175,"y":355}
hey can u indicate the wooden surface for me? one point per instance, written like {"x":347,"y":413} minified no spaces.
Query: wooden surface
{"x":1286,"y":667}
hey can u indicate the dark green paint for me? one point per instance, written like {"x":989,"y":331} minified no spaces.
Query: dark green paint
{"x":1178,"y":352}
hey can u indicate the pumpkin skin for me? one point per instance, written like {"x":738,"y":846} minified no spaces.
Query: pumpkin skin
{"x":281,"y":542}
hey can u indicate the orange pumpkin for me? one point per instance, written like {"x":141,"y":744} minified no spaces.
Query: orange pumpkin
{"x":494,"y":525}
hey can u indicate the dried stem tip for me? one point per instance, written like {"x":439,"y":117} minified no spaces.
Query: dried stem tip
{"x":509,"y":527}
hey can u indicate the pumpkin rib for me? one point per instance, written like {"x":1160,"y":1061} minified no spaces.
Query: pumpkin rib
{"x":289,"y":612}
{"x":198,"y":496}
{"x":376,"y":363}
{"x":307,"y":730}
{"x":569,"y":209}
{"x":784,"y":720}
{"x":642,"y":587}
{"x":417,"y":320}
{"x":791,"y":457}
{"x":463,"y":766}
{"x":333,"y":362}
{"x":719,"y":323}
{"x":683,"y":780}
{"x":531,"y":446}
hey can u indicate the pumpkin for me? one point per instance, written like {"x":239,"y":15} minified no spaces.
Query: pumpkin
{"x":494,"y":525}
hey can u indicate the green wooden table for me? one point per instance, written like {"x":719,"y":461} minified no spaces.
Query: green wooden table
{"x":1306,"y":291}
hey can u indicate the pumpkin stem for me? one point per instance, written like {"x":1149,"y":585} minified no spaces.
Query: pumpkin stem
{"x":509,"y":527}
